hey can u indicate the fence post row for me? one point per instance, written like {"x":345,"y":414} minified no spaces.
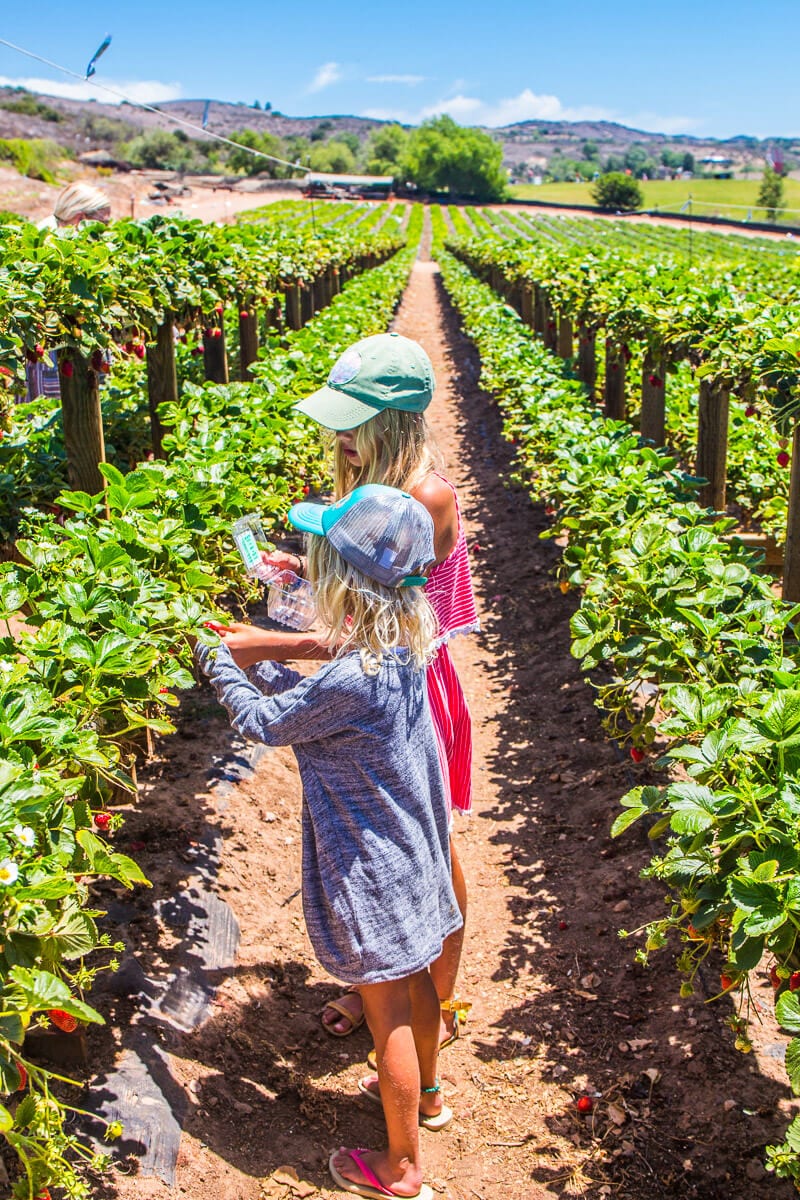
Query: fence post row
{"x":712,"y":443}
{"x":215,"y":356}
{"x":162,"y":378}
{"x":614,"y":384}
{"x":248,"y":337}
{"x":83,"y":426}
{"x":652,"y":425}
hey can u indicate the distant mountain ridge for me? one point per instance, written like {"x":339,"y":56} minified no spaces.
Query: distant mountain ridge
{"x":89,"y":125}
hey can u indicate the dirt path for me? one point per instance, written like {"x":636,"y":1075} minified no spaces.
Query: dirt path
{"x":559,"y":1007}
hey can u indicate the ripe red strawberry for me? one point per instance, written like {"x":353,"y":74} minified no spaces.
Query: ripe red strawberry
{"x":244,"y":314}
{"x":197,"y":350}
{"x":216,"y":333}
{"x":67,"y":369}
{"x":727,"y":982}
{"x":138,"y":349}
{"x":782,"y":459}
{"x":476,"y":547}
{"x":44,"y":1194}
{"x":636,"y":754}
{"x":775,"y":978}
{"x":219,"y":310}
{"x":38,"y":350}
{"x":751,"y":410}
{"x":794,"y":981}
{"x":562,"y":925}
{"x":105,"y":367}
{"x":306,"y":490}
{"x":63,"y":1020}
{"x":584,"y":1104}
{"x":102,"y":820}
{"x":23,"y":1076}
{"x":163,"y":690}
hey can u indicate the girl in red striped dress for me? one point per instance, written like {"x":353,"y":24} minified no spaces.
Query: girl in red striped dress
{"x":374,"y":404}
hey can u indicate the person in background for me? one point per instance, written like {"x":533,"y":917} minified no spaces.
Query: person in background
{"x":76,"y":203}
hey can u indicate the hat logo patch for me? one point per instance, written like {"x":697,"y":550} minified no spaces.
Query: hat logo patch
{"x":346,"y":368}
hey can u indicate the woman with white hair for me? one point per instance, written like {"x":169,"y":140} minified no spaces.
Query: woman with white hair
{"x":76,"y":203}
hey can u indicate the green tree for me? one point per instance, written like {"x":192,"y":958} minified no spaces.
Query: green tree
{"x":333,"y":157}
{"x":444,"y":156}
{"x":770,"y":194}
{"x":385,"y":150}
{"x":160,"y":149}
{"x":618,"y":192}
{"x":252,"y":164}
{"x":589,"y":150}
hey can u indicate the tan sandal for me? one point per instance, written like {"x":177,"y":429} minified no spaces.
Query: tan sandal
{"x":344,"y":1011}
{"x":459,"y":1008}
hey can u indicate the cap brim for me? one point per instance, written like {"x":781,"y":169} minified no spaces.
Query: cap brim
{"x":307,"y":517}
{"x":335,"y":410}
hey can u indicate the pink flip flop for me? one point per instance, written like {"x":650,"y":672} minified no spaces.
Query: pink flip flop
{"x":373,"y":1189}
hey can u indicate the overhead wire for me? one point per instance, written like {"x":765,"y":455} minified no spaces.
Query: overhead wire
{"x":206,"y":133}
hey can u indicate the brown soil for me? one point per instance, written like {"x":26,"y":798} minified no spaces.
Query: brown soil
{"x":129,"y":191}
{"x":560,"y":1009}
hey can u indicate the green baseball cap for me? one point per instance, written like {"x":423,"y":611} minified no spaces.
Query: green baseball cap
{"x":379,"y":372}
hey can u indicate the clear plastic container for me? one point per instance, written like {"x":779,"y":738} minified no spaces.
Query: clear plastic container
{"x":290,"y":600}
{"x":251,"y":542}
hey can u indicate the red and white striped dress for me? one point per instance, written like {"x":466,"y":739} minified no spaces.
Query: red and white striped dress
{"x":449,"y":590}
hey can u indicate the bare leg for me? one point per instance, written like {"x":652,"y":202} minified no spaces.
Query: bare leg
{"x":403,"y":1017}
{"x":444,"y":971}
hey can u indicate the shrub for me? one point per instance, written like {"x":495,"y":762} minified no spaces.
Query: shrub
{"x":617,"y":191}
{"x":35,"y":157}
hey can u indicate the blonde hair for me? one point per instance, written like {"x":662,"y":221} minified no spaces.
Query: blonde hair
{"x":395,"y":448}
{"x":361,"y":614}
{"x":80,"y":200}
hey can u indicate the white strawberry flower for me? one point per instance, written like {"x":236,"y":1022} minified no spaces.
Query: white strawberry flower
{"x":24,"y":835}
{"x":9,"y":872}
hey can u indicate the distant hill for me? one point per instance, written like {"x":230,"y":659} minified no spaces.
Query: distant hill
{"x":92,"y":125}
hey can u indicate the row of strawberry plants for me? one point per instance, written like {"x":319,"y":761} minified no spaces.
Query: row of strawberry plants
{"x":99,"y":612}
{"x":689,"y":649}
{"x":717,"y":330}
{"x":131,"y":286}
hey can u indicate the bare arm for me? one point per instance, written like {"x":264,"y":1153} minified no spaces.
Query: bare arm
{"x":437,"y":496}
{"x":249,"y":644}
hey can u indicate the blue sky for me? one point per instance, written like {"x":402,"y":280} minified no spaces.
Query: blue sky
{"x":703,"y":67}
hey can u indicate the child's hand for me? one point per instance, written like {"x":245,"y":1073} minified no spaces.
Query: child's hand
{"x":284,"y":560}
{"x":247,"y":643}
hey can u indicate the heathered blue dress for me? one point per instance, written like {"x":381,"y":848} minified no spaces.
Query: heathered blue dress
{"x":377,"y":895}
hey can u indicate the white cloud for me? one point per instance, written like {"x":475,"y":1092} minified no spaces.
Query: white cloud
{"x":408,"y":80}
{"x":145,"y":91}
{"x":327,"y":74}
{"x":528,"y":106}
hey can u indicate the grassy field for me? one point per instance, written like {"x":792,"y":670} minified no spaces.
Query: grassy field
{"x":710,"y":197}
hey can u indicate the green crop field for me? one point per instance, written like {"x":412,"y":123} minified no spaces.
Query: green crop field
{"x":710,"y":197}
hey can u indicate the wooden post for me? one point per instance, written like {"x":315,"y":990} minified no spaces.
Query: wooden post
{"x":538,"y":310}
{"x":248,"y":338}
{"x":308,"y":302}
{"x":526,"y":305}
{"x":550,"y":328}
{"x":653,"y":418}
{"x":712,"y":444}
{"x":333,"y":276}
{"x":791,"y":562}
{"x":587,"y":357}
{"x":614,"y":386}
{"x":215,"y":358}
{"x":564,"y":347}
{"x":83,"y":425}
{"x":162,"y":379}
{"x":294,"y":318}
